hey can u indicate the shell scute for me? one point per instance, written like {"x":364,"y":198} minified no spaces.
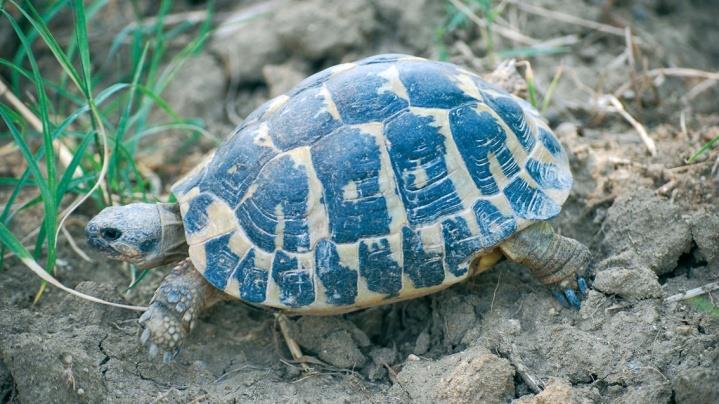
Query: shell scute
{"x":423,"y":266}
{"x":294,"y":280}
{"x":221,"y":261}
{"x":529,"y":202}
{"x":549,"y":175}
{"x":515,"y":118}
{"x":431,"y":86}
{"x":196,"y":218}
{"x":272,"y":214}
{"x":459,"y":243}
{"x":365,"y":95}
{"x":303,"y":120}
{"x":418,"y":154}
{"x":467,"y":123}
{"x":348,"y":166}
{"x":494,"y":226}
{"x":252,"y":281}
{"x":339,"y":281}
{"x":379,"y":266}
{"x":235,"y":166}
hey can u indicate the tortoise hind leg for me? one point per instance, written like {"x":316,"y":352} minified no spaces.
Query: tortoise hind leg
{"x":559,"y":262}
{"x":174,"y":309}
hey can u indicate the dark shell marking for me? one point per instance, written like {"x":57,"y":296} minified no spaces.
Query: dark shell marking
{"x":375,"y":180}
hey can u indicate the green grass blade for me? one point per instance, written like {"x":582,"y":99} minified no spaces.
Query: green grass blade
{"x":46,"y":185}
{"x":55,"y":8}
{"x":550,"y":90}
{"x":9,"y":240}
{"x":15,"y":69}
{"x":708,"y":145}
{"x":117,"y":42}
{"x":42,"y":30}
{"x":529,"y":52}
{"x":43,"y":103}
{"x":72,"y":46}
{"x":4,"y":181}
{"x":33,"y":167}
{"x":157,"y":100}
{"x":83,"y":45}
{"x":137,"y":279}
{"x":123,"y":124}
{"x":76,"y":159}
{"x":27,"y":155}
{"x":27,"y":204}
{"x":11,"y":200}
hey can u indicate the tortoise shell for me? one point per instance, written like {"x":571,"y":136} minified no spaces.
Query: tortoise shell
{"x":370,"y":182}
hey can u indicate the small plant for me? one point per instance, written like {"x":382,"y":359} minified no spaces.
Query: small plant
{"x":89,"y":136}
{"x":532,"y":90}
{"x":458,"y":16}
{"x":703,"y":304}
{"x":702,"y":150}
{"x":489,"y":14}
{"x":454,"y":18}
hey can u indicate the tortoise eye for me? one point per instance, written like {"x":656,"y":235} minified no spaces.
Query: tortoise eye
{"x":110,"y":233}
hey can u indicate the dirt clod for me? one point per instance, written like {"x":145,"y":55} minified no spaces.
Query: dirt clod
{"x":333,"y":340}
{"x":319,"y":29}
{"x":195,"y":98}
{"x":413,"y":20}
{"x":629,"y":283}
{"x":649,"y":226}
{"x":556,"y":391}
{"x":470,"y":376}
{"x":697,"y":386}
{"x":247,"y":48}
{"x":705,"y":231}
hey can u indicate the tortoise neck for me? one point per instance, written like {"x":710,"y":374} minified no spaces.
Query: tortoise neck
{"x":173,"y":246}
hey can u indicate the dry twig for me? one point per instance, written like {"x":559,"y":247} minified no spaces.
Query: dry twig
{"x":660,"y":73}
{"x":293,"y":346}
{"x":568,"y":18}
{"x":74,"y":245}
{"x":693,"y":292}
{"x":698,"y":89}
{"x":666,"y":188}
{"x":683,"y":72}
{"x":532,"y":382}
{"x":611,"y":103}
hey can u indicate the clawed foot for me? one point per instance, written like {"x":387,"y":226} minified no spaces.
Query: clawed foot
{"x":571,"y":298}
{"x":167,"y":322}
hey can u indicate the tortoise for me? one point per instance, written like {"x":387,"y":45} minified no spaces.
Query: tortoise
{"x":371,"y":182}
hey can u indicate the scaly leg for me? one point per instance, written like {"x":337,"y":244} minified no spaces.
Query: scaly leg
{"x":559,"y":262}
{"x":173,"y":311}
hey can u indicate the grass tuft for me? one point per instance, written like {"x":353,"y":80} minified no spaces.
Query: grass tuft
{"x":100,"y":124}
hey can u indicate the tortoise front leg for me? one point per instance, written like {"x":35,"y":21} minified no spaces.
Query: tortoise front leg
{"x":174,"y":309}
{"x":559,"y":262}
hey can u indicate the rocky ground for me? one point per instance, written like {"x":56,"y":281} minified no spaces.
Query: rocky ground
{"x":651,"y":222}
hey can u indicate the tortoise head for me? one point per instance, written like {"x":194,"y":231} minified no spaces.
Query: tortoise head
{"x":144,"y":234}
